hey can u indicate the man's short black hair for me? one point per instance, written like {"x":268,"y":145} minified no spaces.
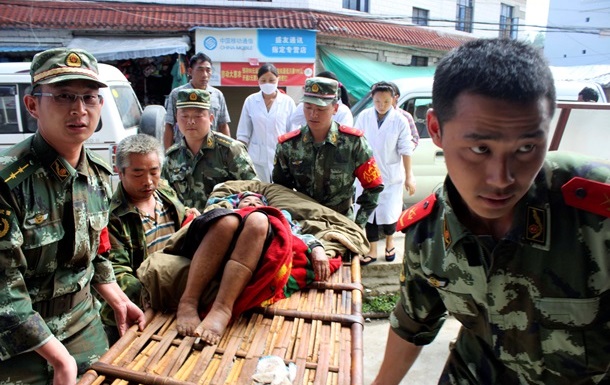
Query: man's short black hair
{"x":589,"y":94}
{"x":504,"y":69}
{"x":199,"y":57}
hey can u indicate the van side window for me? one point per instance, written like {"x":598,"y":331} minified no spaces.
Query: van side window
{"x":418,"y":107}
{"x":9,"y":101}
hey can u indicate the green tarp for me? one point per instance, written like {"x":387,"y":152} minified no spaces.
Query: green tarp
{"x":358,"y":72}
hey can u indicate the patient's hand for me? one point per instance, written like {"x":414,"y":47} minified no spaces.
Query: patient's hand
{"x":321,"y":266}
{"x":192,"y":211}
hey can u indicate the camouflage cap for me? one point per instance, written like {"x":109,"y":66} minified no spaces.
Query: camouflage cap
{"x":62,"y":64}
{"x":193,"y":98}
{"x":320,"y":91}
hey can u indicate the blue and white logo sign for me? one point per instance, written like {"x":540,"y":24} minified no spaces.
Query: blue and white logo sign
{"x":292,"y":43}
{"x":210,"y":43}
{"x":241,"y":45}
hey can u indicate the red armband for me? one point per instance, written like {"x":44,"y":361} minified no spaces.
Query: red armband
{"x":369,"y":174}
{"x":104,"y":241}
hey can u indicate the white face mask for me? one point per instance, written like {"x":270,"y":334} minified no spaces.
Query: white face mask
{"x":268,"y":88}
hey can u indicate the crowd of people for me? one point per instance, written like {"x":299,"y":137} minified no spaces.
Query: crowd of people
{"x":487,"y":247}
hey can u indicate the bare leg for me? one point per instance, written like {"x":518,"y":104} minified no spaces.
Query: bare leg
{"x":205,"y":263}
{"x":237,"y":274}
{"x":389,"y":242}
{"x":373,"y":251}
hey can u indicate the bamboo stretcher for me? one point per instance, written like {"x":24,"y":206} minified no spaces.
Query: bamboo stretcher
{"x":319,"y":329}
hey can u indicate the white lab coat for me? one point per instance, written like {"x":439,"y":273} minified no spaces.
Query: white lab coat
{"x":389,"y":142}
{"x":343,"y":116}
{"x":260,"y":129}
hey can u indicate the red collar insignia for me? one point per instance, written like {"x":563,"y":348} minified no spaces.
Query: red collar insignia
{"x":588,"y":195}
{"x":416,"y":212}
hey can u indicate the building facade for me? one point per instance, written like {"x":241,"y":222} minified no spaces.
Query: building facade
{"x":578,"y":33}
{"x":146,"y":38}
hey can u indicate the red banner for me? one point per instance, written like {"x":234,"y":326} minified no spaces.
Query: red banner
{"x":244,"y":74}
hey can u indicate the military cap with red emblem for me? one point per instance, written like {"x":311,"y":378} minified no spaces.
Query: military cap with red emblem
{"x":196,"y":98}
{"x":63,"y":64}
{"x":321,"y":91}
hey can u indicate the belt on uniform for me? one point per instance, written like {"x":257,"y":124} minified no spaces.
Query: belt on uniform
{"x":62,"y":304}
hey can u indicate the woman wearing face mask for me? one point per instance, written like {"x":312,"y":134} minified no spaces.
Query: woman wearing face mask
{"x":264,"y":117}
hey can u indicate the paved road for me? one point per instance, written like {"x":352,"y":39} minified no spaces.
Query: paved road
{"x":429,"y":364}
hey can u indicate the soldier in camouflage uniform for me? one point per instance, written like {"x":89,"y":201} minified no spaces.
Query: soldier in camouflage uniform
{"x":144,"y":213}
{"x":322,"y":159}
{"x":53,"y":213}
{"x":204,"y":157}
{"x":515,"y":244}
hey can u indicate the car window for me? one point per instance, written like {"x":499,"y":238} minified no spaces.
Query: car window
{"x":9,"y":100}
{"x":418,"y":107}
{"x":127,"y":104}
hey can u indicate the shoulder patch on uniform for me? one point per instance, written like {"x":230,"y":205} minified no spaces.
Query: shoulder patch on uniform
{"x":351,"y":130}
{"x":172,"y":148}
{"x":289,"y":135}
{"x":223,"y":139}
{"x":95,"y":158}
{"x":18,"y":171}
{"x":588,"y":195}
{"x":416,"y":212}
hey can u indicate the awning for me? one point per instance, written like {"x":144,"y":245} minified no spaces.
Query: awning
{"x":120,"y":48}
{"x":358,"y":72}
{"x":25,"y":48}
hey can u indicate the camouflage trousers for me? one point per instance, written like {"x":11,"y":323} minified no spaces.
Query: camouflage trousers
{"x":30,"y":368}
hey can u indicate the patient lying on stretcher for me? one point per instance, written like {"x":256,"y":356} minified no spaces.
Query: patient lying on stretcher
{"x":241,"y":258}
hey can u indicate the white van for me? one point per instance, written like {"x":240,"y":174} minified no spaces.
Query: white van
{"x":587,"y":129}
{"x":121,"y":113}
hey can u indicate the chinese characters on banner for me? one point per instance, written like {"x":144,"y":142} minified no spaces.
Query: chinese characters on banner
{"x":244,"y":74}
{"x":238,"y":53}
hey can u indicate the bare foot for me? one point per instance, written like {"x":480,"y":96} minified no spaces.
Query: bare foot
{"x":213,"y":325}
{"x":187,"y":318}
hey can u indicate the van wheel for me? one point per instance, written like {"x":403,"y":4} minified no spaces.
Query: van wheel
{"x":152,"y":122}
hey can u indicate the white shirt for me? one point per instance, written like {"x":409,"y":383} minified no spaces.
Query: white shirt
{"x":390,"y":142}
{"x":343,"y":116}
{"x":260,"y":129}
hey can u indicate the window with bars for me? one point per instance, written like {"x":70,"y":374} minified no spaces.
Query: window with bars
{"x":464,"y":15}
{"x":356,"y":5}
{"x":508,"y":23}
{"x":420,"y":16}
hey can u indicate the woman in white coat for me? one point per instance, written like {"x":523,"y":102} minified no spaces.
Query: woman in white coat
{"x":388,"y":133}
{"x":264,"y":117}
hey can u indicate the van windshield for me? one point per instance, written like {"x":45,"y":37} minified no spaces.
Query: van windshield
{"x":127,"y":104}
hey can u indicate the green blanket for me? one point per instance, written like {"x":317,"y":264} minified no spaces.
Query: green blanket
{"x":336,"y":232}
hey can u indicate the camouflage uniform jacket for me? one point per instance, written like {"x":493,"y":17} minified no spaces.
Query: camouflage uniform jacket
{"x":128,"y":240}
{"x":535,"y":308}
{"x":193,"y":176}
{"x":327,"y":172}
{"x":51,"y":217}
